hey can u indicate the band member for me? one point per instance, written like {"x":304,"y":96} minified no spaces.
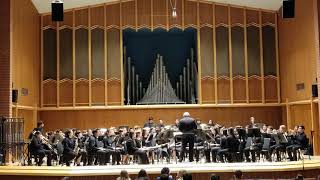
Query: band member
{"x":252,"y":123}
{"x":36,"y":148}
{"x":68,"y":147}
{"x":81,"y":154}
{"x":95,"y":149}
{"x":161,"y":124}
{"x":150,"y":123}
{"x":280,"y":140}
{"x":187,"y":126}
{"x":39,"y":128}
{"x":301,"y":141}
{"x":232,"y":146}
{"x":132,"y":149}
{"x":110,"y":147}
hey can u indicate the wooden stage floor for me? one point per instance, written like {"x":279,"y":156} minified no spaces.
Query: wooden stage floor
{"x":307,"y":164}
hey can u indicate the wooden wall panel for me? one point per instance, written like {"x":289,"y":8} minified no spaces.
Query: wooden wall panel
{"x":30,"y":121}
{"x":206,"y":15}
{"x":82,"y":92}
{"x":301,"y":115}
{"x":128,"y":10}
{"x":113,"y":15}
{"x":221,"y":13}
{"x":208,"y":90}
{"x":106,"y":118}
{"x":239,"y":89}
{"x":48,"y":22}
{"x":97,"y":16}
{"x":254,"y":89}
{"x":67,"y":19}
{"x":25,"y":55}
{"x":268,"y":18}
{"x":160,"y":14}
{"x":223,"y":90}
{"x":252,"y":17}
{"x":50,"y":95}
{"x":270,"y":85}
{"x":190,"y":13}
{"x":66,"y":93}
{"x":144,"y":13}
{"x":98,"y":95}
{"x":236,"y":16}
{"x":297,"y":48}
{"x":114,"y":92}
{"x":81,"y":17}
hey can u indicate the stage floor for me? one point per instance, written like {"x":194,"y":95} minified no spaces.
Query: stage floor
{"x":306,"y":164}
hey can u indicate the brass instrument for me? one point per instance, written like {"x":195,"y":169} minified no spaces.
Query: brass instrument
{"x":76,"y":145}
{"x":45,"y":141}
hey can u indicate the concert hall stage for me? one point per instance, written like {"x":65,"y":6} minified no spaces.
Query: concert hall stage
{"x":261,"y":170}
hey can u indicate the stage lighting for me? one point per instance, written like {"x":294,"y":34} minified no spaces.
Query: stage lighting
{"x":57,"y":10}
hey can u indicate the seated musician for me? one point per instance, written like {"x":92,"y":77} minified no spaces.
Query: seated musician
{"x":81,"y":154}
{"x":94,"y":150}
{"x":132,"y":148}
{"x":254,"y":149}
{"x":301,"y":142}
{"x":109,"y":146}
{"x":252,"y":123}
{"x":161,"y":124}
{"x":39,"y":128}
{"x":68,"y":147}
{"x":215,"y":141}
{"x":150,"y":123}
{"x":37,"y":148}
{"x":280,"y":141}
{"x":232,"y":145}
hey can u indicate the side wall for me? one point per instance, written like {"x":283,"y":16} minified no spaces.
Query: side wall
{"x":298,"y":64}
{"x":26,"y":60}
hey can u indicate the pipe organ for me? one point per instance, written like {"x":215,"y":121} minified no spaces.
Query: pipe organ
{"x":160,"y":88}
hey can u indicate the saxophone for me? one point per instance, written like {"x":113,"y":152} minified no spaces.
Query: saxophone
{"x":76,"y":146}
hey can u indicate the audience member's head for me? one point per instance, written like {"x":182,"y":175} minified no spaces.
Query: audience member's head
{"x":165,"y":170}
{"x":142,"y":174}
{"x":187,"y":176}
{"x":238,"y":174}
{"x":181,"y":173}
{"x":299,"y":177}
{"x":124,"y":175}
{"x":214,"y":177}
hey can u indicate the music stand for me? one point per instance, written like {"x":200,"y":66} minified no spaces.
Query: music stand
{"x":242,"y":133}
{"x":254,"y":132}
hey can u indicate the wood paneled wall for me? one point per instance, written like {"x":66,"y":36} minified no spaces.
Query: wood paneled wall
{"x":297,"y":48}
{"x":26,"y":52}
{"x":84,"y":119}
{"x":25,"y":60}
{"x":5,"y":63}
{"x":224,"y":54}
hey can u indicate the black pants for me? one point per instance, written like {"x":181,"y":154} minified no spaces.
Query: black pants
{"x":42,"y":153}
{"x":187,"y":139}
{"x":222,"y":153}
{"x":68,"y":156}
{"x":214,"y":152}
{"x":277,"y":148}
{"x":253,"y":151}
{"x":293,"y":150}
{"x":142,"y":156}
{"x":99,"y":157}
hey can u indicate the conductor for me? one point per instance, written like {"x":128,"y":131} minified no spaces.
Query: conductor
{"x":187,"y":125}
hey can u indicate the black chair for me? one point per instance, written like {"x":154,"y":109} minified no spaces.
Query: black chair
{"x":266,"y":148}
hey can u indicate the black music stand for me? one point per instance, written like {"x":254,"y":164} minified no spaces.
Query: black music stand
{"x":254,"y":132}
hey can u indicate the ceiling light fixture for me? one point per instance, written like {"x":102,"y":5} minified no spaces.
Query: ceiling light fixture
{"x":174,"y":8}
